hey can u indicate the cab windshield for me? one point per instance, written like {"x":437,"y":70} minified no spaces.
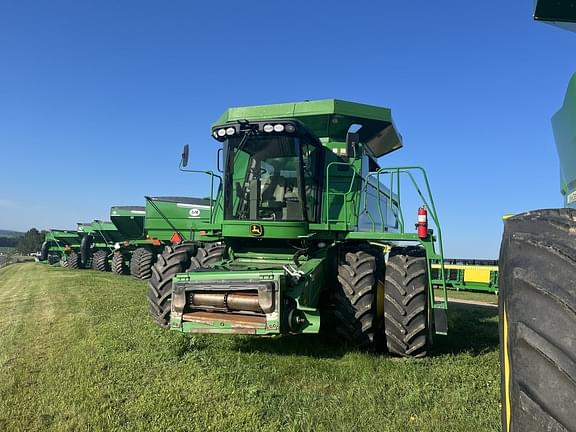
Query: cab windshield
{"x":271,"y":177}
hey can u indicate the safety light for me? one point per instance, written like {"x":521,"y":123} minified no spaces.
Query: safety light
{"x":221,"y":132}
{"x":290,"y":128}
{"x":279,"y":128}
{"x":215,"y":134}
{"x":268,"y":128}
{"x":230,"y":131}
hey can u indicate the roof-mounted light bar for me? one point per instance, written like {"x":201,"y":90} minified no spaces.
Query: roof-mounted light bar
{"x":224,"y":132}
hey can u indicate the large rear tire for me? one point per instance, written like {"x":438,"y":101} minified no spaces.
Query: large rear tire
{"x":44,"y":251}
{"x":73,"y":261}
{"x":118,"y":263}
{"x":86,"y":250}
{"x":100,"y":261}
{"x":355,"y":308}
{"x":406,"y":302}
{"x":174,"y":259}
{"x":207,"y":256}
{"x":538,"y":321}
{"x":141,"y":263}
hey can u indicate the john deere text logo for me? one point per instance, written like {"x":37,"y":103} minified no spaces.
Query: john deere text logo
{"x":256,"y":230}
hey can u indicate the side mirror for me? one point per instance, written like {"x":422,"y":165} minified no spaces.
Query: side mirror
{"x":185,"y":153}
{"x":352,"y":141}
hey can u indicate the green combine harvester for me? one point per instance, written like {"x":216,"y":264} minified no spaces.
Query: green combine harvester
{"x":538,"y":291}
{"x":298,"y":233}
{"x":147,"y":230}
{"x":56,"y":246}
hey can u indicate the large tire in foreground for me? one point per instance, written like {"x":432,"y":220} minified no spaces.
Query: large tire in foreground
{"x":73,"y":261}
{"x":118,"y":263}
{"x":100,"y":261}
{"x":174,"y":259}
{"x":355,"y":317}
{"x":141,"y":263}
{"x":406,"y":302}
{"x":538,"y":321}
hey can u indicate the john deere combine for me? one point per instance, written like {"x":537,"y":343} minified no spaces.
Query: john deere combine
{"x":297,"y":233}
{"x":538,"y":291}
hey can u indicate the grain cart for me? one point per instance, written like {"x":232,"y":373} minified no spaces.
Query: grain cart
{"x":96,"y":246}
{"x":147,"y":230}
{"x":57,"y":245}
{"x":537,"y":288}
{"x":135,"y":251}
{"x":297,"y":234}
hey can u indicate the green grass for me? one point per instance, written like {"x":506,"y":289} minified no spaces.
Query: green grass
{"x":472,"y":296}
{"x":78,"y":352}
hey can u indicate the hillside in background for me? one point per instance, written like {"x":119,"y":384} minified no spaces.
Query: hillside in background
{"x":10,"y":234}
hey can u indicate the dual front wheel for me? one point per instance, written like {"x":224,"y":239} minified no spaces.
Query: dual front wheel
{"x":379,"y":304}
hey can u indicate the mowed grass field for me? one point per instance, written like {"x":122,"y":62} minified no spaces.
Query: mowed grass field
{"x":78,"y":352}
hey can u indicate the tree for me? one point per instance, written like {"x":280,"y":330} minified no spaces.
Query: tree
{"x":30,"y":242}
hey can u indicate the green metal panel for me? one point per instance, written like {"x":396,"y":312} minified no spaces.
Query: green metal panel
{"x":329,"y":120}
{"x":129,"y":221}
{"x":167,"y":215}
{"x":59,"y":239}
{"x":564,"y":126}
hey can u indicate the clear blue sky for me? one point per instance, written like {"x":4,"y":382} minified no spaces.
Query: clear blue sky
{"x":97,"y":97}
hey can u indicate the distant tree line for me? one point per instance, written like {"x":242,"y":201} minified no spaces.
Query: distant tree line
{"x":8,"y":241}
{"x":30,"y":242}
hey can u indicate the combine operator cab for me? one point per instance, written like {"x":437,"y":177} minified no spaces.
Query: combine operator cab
{"x":273,"y":171}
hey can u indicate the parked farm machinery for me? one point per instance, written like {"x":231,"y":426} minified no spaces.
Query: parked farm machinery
{"x":147,"y":230}
{"x":57,"y":245}
{"x":468,"y":275}
{"x":298,"y":231}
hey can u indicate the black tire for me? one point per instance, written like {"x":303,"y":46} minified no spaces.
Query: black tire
{"x":86,"y":250}
{"x":354,"y":303}
{"x":406,"y":302}
{"x":118,"y":263}
{"x":134,"y":269}
{"x":538,"y":321}
{"x":174,"y":259}
{"x":44,"y":251}
{"x":73,"y":261}
{"x":207,"y":256}
{"x":100,"y":261}
{"x":141,"y":263}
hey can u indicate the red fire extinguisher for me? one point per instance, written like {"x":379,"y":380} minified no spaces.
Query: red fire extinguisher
{"x":422,"y":225}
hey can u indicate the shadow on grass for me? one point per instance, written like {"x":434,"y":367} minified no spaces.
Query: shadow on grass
{"x":309,"y":345}
{"x":471,"y":328}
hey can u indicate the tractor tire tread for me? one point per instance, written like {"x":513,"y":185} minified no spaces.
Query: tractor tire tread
{"x":537,"y":306}
{"x":406,"y":302}
{"x":355,"y":295}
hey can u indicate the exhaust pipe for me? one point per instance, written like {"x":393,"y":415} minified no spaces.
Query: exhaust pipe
{"x":231,"y":302}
